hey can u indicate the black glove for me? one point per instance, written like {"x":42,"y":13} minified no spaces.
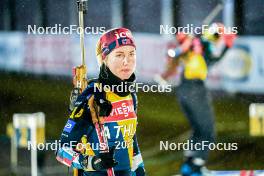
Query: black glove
{"x":104,"y":160}
{"x":101,"y":162}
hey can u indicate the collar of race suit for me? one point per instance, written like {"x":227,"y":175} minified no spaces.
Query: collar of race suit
{"x":106,"y":77}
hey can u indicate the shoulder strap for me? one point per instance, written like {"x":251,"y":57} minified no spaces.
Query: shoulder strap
{"x":135,"y":100}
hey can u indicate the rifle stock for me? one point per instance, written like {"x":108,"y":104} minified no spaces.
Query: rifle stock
{"x":79,"y":77}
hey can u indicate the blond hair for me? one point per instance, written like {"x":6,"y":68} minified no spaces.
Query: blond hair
{"x":98,"y":52}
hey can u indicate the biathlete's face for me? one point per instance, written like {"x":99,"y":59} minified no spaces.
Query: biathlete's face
{"x":122,"y":61}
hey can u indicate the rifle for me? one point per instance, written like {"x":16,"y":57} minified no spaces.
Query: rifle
{"x":80,"y":83}
{"x":79,"y":72}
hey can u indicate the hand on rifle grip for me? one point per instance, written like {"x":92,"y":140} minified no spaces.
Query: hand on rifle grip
{"x":104,"y":160}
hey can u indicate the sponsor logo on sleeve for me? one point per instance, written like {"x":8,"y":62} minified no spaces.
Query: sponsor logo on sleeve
{"x":69,"y":126}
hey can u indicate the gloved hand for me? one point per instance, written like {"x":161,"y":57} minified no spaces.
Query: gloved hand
{"x":101,"y":162}
{"x":183,"y":48}
{"x":104,"y":160}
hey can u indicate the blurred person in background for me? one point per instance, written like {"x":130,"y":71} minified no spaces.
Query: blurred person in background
{"x":116,"y":53}
{"x":191,"y":59}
